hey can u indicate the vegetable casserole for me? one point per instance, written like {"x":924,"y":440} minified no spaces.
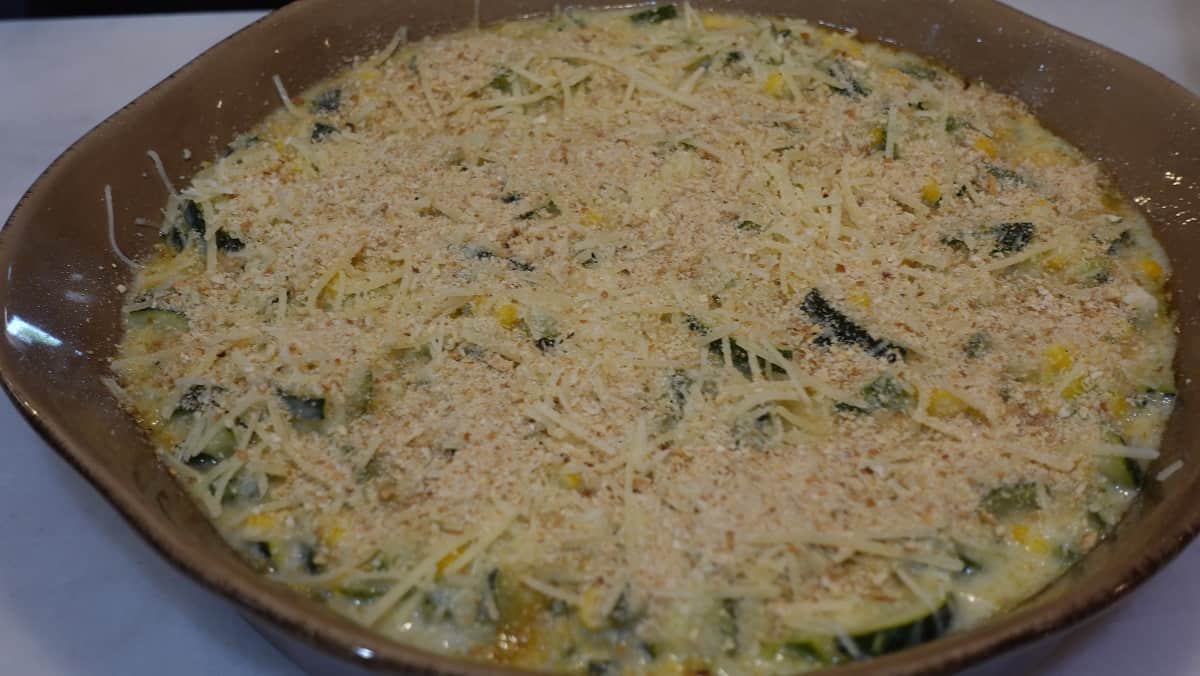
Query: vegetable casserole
{"x":654,"y":341}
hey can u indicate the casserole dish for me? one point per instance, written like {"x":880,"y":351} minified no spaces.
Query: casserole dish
{"x":56,"y":350}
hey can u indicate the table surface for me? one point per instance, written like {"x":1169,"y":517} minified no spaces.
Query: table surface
{"x":80,"y":593}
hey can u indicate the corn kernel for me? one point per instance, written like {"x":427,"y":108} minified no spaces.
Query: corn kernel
{"x":1055,"y":262}
{"x":507,"y":315}
{"x":572,"y":480}
{"x":1057,"y":359}
{"x":331,"y":536}
{"x":1151,"y":269}
{"x":261,"y":522}
{"x":985,"y":145}
{"x":878,"y":138}
{"x":944,"y":404}
{"x":716,"y":22}
{"x":859,"y":298}
{"x":590,"y":218}
{"x":1031,"y":541}
{"x":590,"y":611}
{"x":931,"y":192}
{"x":774,"y":85}
{"x":446,"y":561}
{"x":1118,"y":406}
{"x":1074,"y":388}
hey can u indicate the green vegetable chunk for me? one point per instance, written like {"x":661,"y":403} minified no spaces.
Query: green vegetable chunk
{"x":657,"y":14}
{"x":1124,"y":473}
{"x":740,"y":359}
{"x":502,"y":81}
{"x":328,"y":101}
{"x":953,"y":124}
{"x":887,"y":392}
{"x":321,"y":130}
{"x":158,"y":318}
{"x":358,"y":402}
{"x":1005,"y":175}
{"x":919,"y":71}
{"x":1011,"y":237}
{"x":1011,"y":499}
{"x":839,"y":328}
{"x":303,"y":409}
{"x":849,"y":84}
{"x":547,"y":210}
{"x":362,"y":592}
{"x":906,"y":634}
{"x":1120,"y":244}
{"x":229,"y":243}
{"x":978,"y":345}
{"x":727,"y":624}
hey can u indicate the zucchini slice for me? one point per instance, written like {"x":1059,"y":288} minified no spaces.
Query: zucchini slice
{"x":906,"y":629}
{"x":905,"y":633}
{"x":1124,"y":473}
{"x":158,"y":318}
{"x":1009,"y":499}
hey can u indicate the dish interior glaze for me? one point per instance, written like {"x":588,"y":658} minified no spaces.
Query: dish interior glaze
{"x":653,"y":341}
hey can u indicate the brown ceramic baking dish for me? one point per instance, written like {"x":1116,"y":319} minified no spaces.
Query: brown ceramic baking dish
{"x":60,"y":290}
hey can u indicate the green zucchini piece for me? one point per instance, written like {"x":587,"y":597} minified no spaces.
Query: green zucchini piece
{"x":1005,"y":175}
{"x":358,"y":402}
{"x":1011,"y":237}
{"x":811,"y":651}
{"x":623,"y":615}
{"x":159,"y":318}
{"x":655,"y":14}
{"x":906,"y":633}
{"x":228,"y":243}
{"x":242,"y":489}
{"x":919,"y":71}
{"x":1011,"y":499}
{"x":328,"y":101}
{"x":221,"y":446}
{"x":196,"y":398}
{"x":755,"y":430}
{"x":978,"y":345}
{"x":362,"y":592}
{"x":849,"y":83}
{"x":887,"y":392}
{"x":193,"y":217}
{"x":321,"y":130}
{"x":502,"y":82}
{"x":727,"y":625}
{"x":843,"y":407}
{"x":307,"y":413}
{"x":740,"y":358}
{"x":953,"y":124}
{"x":303,"y":408}
{"x":1120,"y":244}
{"x":695,"y":325}
{"x":679,"y":385}
{"x":1124,"y":473}
{"x":260,"y":554}
{"x":603,"y":668}
{"x":547,"y":210}
{"x":838,"y":328}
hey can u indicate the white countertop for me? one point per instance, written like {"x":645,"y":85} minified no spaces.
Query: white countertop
{"x":80,"y":593}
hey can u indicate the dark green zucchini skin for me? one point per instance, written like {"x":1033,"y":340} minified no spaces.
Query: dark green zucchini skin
{"x":828,"y":650}
{"x":1125,"y":473}
{"x":907,"y":635}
